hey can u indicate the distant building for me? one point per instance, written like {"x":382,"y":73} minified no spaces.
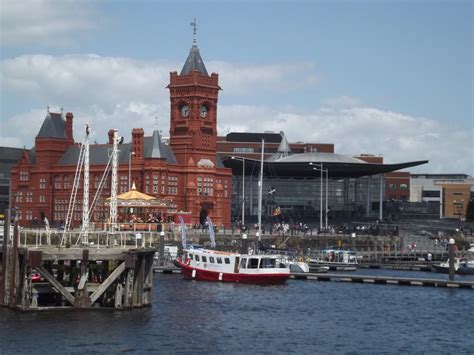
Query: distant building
{"x":8,"y":158}
{"x":453,"y":192}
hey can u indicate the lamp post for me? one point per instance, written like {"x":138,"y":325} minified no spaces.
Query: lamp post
{"x":130,"y":170}
{"x":243,"y":189}
{"x":319,"y":167}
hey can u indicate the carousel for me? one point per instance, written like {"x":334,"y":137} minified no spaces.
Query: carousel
{"x":139,"y":211}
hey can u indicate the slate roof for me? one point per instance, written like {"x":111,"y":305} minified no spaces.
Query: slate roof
{"x":8,"y":158}
{"x":99,"y":153}
{"x":194,"y":62}
{"x":53,"y":127}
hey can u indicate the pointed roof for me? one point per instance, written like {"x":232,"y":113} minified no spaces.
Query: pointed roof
{"x":194,"y":62}
{"x":53,"y":127}
{"x":133,"y":194}
{"x":283,"y":150}
{"x":155,"y":148}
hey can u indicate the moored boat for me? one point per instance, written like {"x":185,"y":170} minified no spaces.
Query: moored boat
{"x":335,"y":260}
{"x":461,"y":267}
{"x":220,"y":266}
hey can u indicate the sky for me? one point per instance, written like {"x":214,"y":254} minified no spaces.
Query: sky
{"x":389,"y":78}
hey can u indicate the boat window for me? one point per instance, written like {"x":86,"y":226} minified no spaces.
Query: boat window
{"x":243,"y":263}
{"x":253,"y":263}
{"x":196,"y":258}
{"x":227,"y":260}
{"x":267,"y":263}
{"x":204,"y":259}
{"x":211,"y":259}
{"x":190,"y":256}
{"x":219,"y":260}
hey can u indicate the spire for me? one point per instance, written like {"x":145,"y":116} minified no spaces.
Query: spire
{"x":194,"y":60}
{"x":283,"y":150}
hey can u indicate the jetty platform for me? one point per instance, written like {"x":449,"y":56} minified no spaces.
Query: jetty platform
{"x":49,"y":277}
{"x":383,"y":280}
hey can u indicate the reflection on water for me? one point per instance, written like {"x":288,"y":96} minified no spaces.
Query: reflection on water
{"x":301,"y":316}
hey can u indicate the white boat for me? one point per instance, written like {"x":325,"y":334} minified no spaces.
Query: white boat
{"x":461,"y":267}
{"x":220,"y":266}
{"x":335,"y":260}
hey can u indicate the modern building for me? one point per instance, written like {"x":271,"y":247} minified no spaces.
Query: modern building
{"x":187,"y":172}
{"x":346,"y":187}
{"x":451,"y":192}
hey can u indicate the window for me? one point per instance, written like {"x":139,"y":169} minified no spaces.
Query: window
{"x":155,"y":184}
{"x":123,"y":183}
{"x":227,"y":260}
{"x":172,"y":185}
{"x":19,"y":196}
{"x":243,"y":263}
{"x":67,"y":182}
{"x":24,"y":176}
{"x":392,"y":187}
{"x":96,"y":181}
{"x":253,"y":263}
{"x":42,"y":199}
{"x":211,"y":259}
{"x":196,"y":258}
{"x":430,"y":193}
{"x":243,"y":150}
{"x":29,"y":215}
{"x":29,"y":197}
{"x":204,"y":259}
{"x":267,"y":263}
{"x":42,"y":183}
{"x":57,"y":182}
{"x":191,"y":256}
{"x":403,"y":186}
{"x":219,"y":260}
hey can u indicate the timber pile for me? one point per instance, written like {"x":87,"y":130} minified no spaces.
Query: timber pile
{"x":51,"y":277}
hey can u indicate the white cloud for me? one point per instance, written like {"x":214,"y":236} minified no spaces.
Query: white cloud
{"x":238,"y":79}
{"x":122,"y":93}
{"x":45,"y":22}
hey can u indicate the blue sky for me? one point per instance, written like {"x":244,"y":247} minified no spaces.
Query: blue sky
{"x":384,"y":77}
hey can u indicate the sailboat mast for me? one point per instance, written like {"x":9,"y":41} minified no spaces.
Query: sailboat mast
{"x":260,"y":192}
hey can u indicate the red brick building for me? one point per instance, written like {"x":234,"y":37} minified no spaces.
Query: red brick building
{"x":187,"y":171}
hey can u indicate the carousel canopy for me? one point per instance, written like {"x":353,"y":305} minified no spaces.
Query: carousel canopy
{"x":134,"y":194}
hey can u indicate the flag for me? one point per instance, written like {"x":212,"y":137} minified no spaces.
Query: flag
{"x":183,"y":231}
{"x":277,"y":211}
{"x":212,"y":236}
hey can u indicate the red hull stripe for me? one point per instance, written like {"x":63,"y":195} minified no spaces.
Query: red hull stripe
{"x":214,"y":276}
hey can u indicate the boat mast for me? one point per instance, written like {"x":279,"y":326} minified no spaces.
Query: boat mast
{"x":260,"y":192}
{"x":113,"y":184}
{"x":85,"y":197}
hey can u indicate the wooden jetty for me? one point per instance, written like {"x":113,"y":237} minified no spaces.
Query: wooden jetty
{"x":56,"y":277}
{"x":384,"y":280}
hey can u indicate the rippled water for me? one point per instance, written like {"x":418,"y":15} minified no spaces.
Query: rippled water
{"x":299,"y":317}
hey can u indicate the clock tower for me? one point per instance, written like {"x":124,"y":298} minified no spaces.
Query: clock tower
{"x":193,"y":111}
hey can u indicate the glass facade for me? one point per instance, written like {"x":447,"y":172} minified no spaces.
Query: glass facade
{"x":299,"y":199}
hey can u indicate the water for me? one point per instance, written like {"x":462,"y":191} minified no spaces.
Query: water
{"x":299,"y":317}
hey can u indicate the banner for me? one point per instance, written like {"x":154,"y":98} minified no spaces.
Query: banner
{"x":212,"y":236}
{"x":183,"y":232}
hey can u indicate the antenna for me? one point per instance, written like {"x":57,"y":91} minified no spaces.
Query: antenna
{"x":156,"y":123}
{"x":194,"y":26}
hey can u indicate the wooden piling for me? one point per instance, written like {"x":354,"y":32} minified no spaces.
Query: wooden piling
{"x":79,"y":277}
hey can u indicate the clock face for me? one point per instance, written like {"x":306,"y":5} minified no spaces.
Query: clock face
{"x":203,"y":111}
{"x":185,"y":111}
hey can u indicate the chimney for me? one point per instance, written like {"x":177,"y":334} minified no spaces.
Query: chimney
{"x":137,"y":142}
{"x":111,"y":136}
{"x":69,"y":121}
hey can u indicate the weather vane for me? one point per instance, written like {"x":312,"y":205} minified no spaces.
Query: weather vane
{"x":194,"y":26}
